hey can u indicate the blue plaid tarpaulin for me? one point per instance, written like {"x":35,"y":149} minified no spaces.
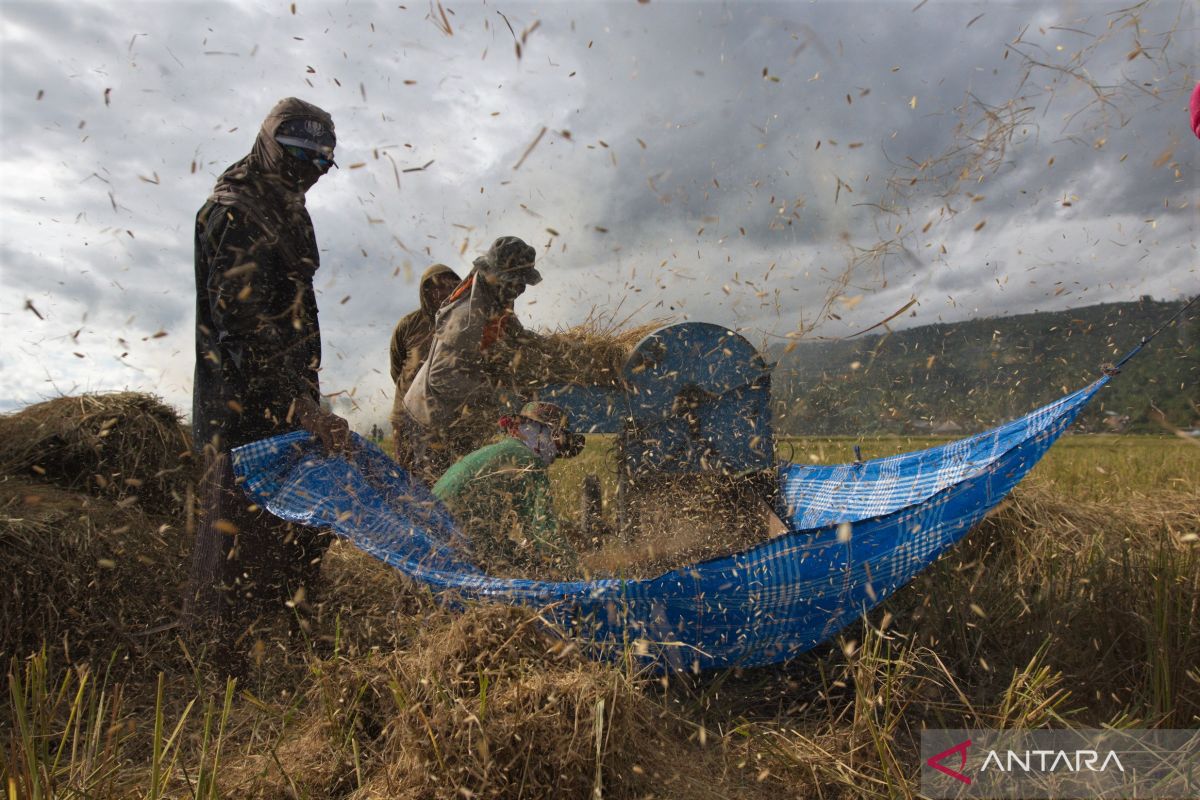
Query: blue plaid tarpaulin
{"x":858,"y":532}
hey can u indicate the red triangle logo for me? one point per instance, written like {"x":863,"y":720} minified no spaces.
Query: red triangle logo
{"x":961,"y":750}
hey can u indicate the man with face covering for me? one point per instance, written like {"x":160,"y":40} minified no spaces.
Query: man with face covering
{"x":410,"y":345}
{"x":258,"y":353}
{"x":500,"y":494}
{"x":467,"y":376}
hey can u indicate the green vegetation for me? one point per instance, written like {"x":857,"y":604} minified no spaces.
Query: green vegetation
{"x":1099,"y":467}
{"x":978,"y":373}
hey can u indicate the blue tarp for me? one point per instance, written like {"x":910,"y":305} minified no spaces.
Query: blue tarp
{"x":858,"y":532}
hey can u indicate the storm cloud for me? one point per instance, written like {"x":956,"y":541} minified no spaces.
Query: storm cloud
{"x":747,"y":164}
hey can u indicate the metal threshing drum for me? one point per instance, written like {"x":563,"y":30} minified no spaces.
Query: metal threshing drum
{"x":693,"y":411}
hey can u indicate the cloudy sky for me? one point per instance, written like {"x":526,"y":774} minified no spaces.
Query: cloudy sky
{"x":780,"y":168}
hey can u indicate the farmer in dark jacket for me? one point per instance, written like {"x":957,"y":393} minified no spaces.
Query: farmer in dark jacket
{"x":410,"y":345}
{"x":258,"y":353}
{"x":467,"y":377}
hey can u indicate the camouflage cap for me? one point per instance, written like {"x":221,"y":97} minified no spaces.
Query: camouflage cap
{"x":548,"y":414}
{"x":310,"y":134}
{"x":509,"y":254}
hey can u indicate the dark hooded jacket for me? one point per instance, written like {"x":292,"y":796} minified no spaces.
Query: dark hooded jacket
{"x":258,"y":343}
{"x":410,"y":339}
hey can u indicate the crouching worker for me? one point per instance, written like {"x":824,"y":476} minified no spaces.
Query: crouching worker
{"x":500,"y":494}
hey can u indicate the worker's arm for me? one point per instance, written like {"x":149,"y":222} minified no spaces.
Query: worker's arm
{"x":398,"y":351}
{"x":518,"y":335}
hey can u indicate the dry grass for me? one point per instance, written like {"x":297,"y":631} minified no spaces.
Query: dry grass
{"x":591,"y":353}
{"x":483,"y":703}
{"x":1058,"y":610}
{"x":116,"y":445}
{"x":84,"y":575}
{"x":679,"y":521}
{"x":1111,"y":590}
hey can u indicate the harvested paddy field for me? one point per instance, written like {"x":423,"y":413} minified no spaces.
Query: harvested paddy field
{"x":1072,"y":605}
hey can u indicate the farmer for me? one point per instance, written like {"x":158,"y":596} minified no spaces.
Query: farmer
{"x":500,"y":494}
{"x":410,"y":345}
{"x":258,"y":352}
{"x":467,"y":377}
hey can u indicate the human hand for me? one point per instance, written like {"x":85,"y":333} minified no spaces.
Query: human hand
{"x":331,"y":430}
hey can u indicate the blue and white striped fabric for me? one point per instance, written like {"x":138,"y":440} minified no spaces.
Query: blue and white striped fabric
{"x":858,"y":533}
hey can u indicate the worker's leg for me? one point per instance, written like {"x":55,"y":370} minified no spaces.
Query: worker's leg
{"x":246,"y":563}
{"x":206,"y":593}
{"x":304,"y":549}
{"x":211,"y":602}
{"x":402,"y":450}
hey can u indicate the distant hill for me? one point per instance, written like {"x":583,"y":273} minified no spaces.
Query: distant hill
{"x":971,"y":375}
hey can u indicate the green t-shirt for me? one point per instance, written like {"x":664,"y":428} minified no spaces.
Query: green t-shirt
{"x":500,"y":496}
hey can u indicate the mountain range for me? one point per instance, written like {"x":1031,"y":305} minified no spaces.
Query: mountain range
{"x":968,"y":376}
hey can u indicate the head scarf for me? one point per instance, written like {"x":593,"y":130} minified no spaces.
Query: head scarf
{"x":428,"y":281}
{"x":539,"y":438}
{"x":259,"y":173}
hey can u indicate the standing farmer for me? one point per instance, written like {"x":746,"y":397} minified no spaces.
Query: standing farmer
{"x":410,"y":345}
{"x":467,"y":377}
{"x":258,"y":352}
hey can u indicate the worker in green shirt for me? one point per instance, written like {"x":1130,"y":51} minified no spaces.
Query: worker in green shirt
{"x":500,"y":494}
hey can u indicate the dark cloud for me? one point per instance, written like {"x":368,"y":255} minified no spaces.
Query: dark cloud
{"x":674,"y":173}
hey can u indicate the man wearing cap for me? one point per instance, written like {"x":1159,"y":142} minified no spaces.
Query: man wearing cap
{"x":500,"y":494}
{"x":410,"y":345}
{"x":466,"y":379}
{"x":258,"y":353}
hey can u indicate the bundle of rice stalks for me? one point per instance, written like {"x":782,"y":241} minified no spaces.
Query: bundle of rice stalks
{"x":115,"y":445}
{"x":591,"y":353}
{"x":83,"y":574}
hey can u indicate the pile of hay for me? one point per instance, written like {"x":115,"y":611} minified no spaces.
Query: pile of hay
{"x":84,"y":575}
{"x":117,"y":445}
{"x":367,"y":602}
{"x":483,"y":703}
{"x":591,"y":353}
{"x":92,"y":494}
{"x":681,"y":520}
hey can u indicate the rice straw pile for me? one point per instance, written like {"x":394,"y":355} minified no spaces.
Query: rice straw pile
{"x":118,"y":445}
{"x":591,"y":353}
{"x":482,"y":703}
{"x":84,"y":574}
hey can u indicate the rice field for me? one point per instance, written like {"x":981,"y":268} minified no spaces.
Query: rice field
{"x":1088,"y":466}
